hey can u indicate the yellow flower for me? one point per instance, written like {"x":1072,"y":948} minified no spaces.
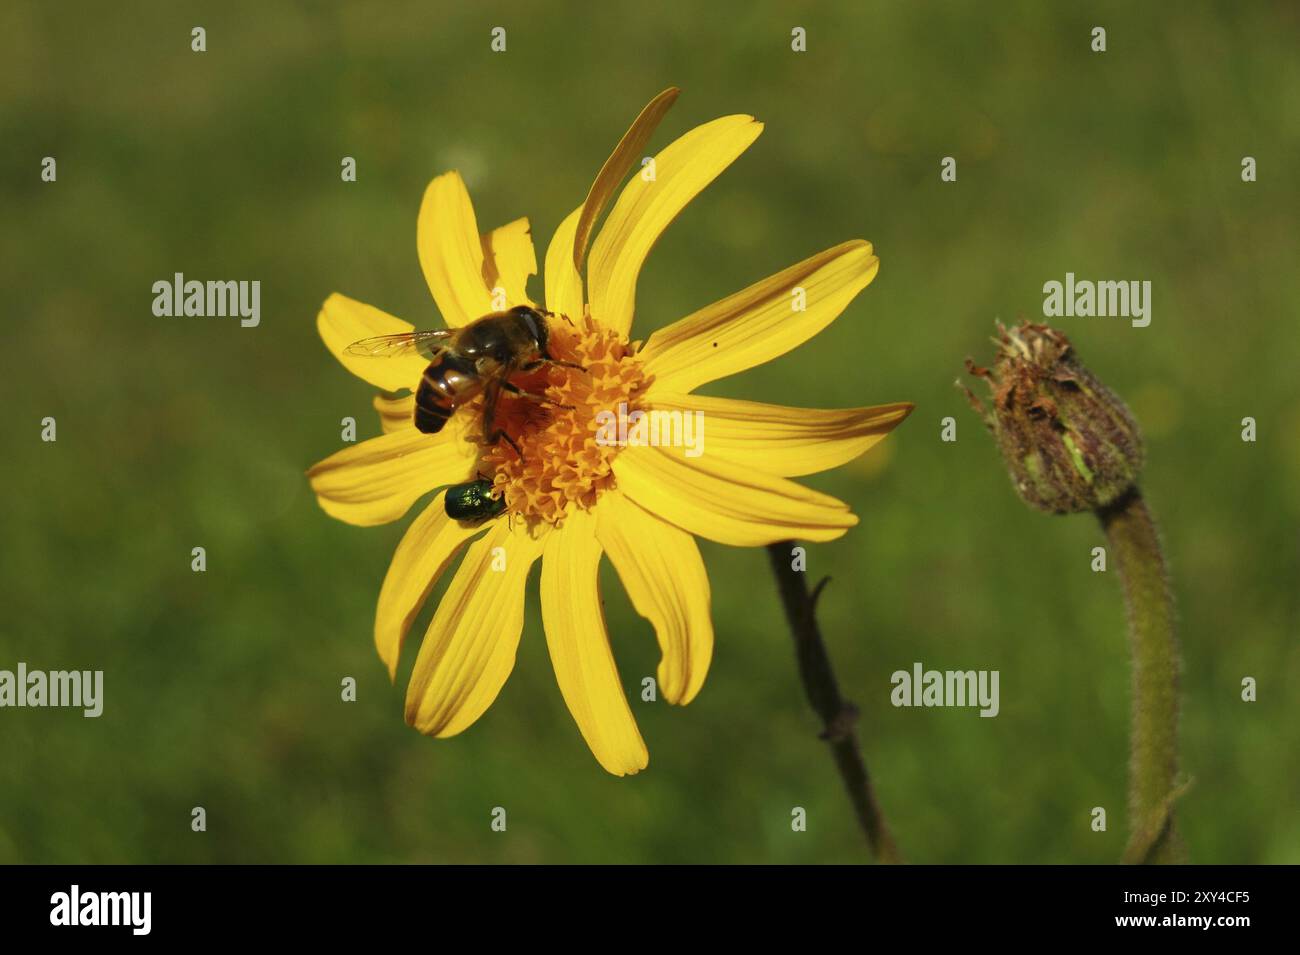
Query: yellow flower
{"x":571,"y":498}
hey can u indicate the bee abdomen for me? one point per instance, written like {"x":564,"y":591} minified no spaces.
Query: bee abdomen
{"x":443,"y":382}
{"x":429,"y":417}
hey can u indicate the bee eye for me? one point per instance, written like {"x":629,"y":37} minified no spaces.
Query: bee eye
{"x":536,"y":323}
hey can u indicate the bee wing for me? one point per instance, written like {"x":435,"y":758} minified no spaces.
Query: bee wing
{"x":428,"y":344}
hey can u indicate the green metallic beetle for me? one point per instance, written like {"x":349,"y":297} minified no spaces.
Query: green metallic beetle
{"x":472,"y":501}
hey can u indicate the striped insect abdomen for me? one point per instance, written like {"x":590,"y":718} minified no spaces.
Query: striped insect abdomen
{"x":447,"y":382}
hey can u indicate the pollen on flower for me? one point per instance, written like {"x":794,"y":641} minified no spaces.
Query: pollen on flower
{"x":563,"y":465}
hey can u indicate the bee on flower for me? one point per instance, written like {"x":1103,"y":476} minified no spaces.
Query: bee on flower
{"x":501,"y":421}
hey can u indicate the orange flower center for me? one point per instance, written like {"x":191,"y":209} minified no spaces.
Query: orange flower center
{"x":564,"y":459}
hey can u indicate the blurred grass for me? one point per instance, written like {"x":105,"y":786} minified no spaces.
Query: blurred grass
{"x":222,"y":689}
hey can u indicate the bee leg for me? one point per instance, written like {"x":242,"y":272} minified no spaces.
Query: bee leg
{"x":491,"y":433}
{"x":548,"y":360}
{"x":500,"y":435}
{"x":532,"y":396}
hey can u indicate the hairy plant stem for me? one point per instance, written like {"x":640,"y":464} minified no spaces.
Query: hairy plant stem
{"x":1153,"y":762}
{"x":823,"y":691}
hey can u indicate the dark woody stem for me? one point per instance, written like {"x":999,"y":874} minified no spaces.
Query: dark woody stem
{"x":837,"y":713}
{"x":1153,"y":763}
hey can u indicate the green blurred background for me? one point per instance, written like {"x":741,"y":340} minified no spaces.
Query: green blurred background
{"x":222,"y":689}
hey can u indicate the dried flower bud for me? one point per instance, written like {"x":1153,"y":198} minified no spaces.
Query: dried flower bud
{"x":1069,"y":443}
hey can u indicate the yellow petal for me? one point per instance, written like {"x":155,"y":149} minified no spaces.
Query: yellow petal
{"x":451,"y":251}
{"x":644,"y":210}
{"x":469,"y":649}
{"x":663,"y":574}
{"x":427,"y":548}
{"x":508,"y":260}
{"x":395,"y":413}
{"x":726,"y":502}
{"x":580,"y":650}
{"x":563,"y":283}
{"x":344,"y":320}
{"x":761,"y":322}
{"x":377,"y":481}
{"x":779,"y":440}
{"x":627,"y":152}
